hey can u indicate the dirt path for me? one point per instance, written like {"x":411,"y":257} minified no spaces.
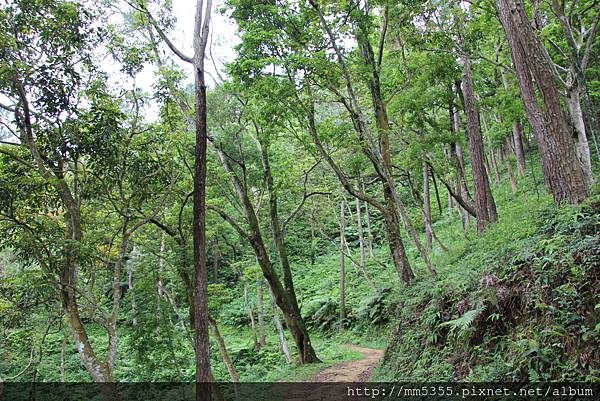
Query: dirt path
{"x":330,"y":384}
{"x":351,"y":371}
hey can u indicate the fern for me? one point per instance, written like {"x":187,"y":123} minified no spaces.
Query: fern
{"x":459,"y":327}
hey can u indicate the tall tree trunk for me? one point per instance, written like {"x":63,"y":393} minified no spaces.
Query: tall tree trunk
{"x":457,"y":157}
{"x":480,"y":178}
{"x":562,"y":172}
{"x":201,"y":339}
{"x":342,"y":264}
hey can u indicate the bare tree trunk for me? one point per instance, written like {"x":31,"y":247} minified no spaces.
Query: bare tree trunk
{"x":456,"y":155}
{"x":215,"y":260}
{"x":511,"y":176}
{"x":361,"y":244}
{"x":251,"y":316}
{"x":427,"y":208}
{"x":582,"y":147}
{"x":235,"y":377}
{"x":480,"y":178}
{"x":62,"y":358}
{"x":369,"y":231}
{"x":201,"y":343}
{"x":261,"y":313}
{"x":562,"y":172}
{"x":283,"y":344}
{"x":342,"y":264}
{"x":132,"y":295}
{"x":518,"y":145}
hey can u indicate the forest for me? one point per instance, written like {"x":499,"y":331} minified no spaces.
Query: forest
{"x":362,"y":191}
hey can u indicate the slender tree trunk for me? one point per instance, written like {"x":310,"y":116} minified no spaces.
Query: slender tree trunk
{"x":511,"y":175}
{"x":457,"y":156}
{"x":261,"y":313}
{"x":131,"y":289}
{"x":342,"y":264}
{"x":251,"y":316}
{"x":562,"y":172}
{"x":480,"y":178}
{"x":200,"y":278}
{"x":215,"y":260}
{"x":369,"y":231}
{"x":361,"y":239}
{"x":277,"y":232}
{"x":291,"y":313}
{"x":361,"y":244}
{"x":62,"y":358}
{"x":517,"y":131}
{"x":582,"y":147}
{"x":235,"y":377}
{"x":427,"y":208}
{"x":283,"y":344}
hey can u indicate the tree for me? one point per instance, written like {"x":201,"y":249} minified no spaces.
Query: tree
{"x":562,"y":172}
{"x":200,"y":295}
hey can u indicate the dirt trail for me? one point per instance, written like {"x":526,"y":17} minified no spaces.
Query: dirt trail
{"x":351,"y":371}
{"x":339,"y":375}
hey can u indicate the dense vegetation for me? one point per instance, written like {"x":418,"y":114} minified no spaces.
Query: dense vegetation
{"x":414,"y":175}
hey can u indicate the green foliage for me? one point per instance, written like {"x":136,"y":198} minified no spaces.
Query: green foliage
{"x":528,"y":313}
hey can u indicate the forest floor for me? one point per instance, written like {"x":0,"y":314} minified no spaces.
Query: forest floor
{"x":352,"y":371}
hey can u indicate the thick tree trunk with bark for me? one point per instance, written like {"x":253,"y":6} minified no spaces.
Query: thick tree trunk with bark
{"x":562,"y":172}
